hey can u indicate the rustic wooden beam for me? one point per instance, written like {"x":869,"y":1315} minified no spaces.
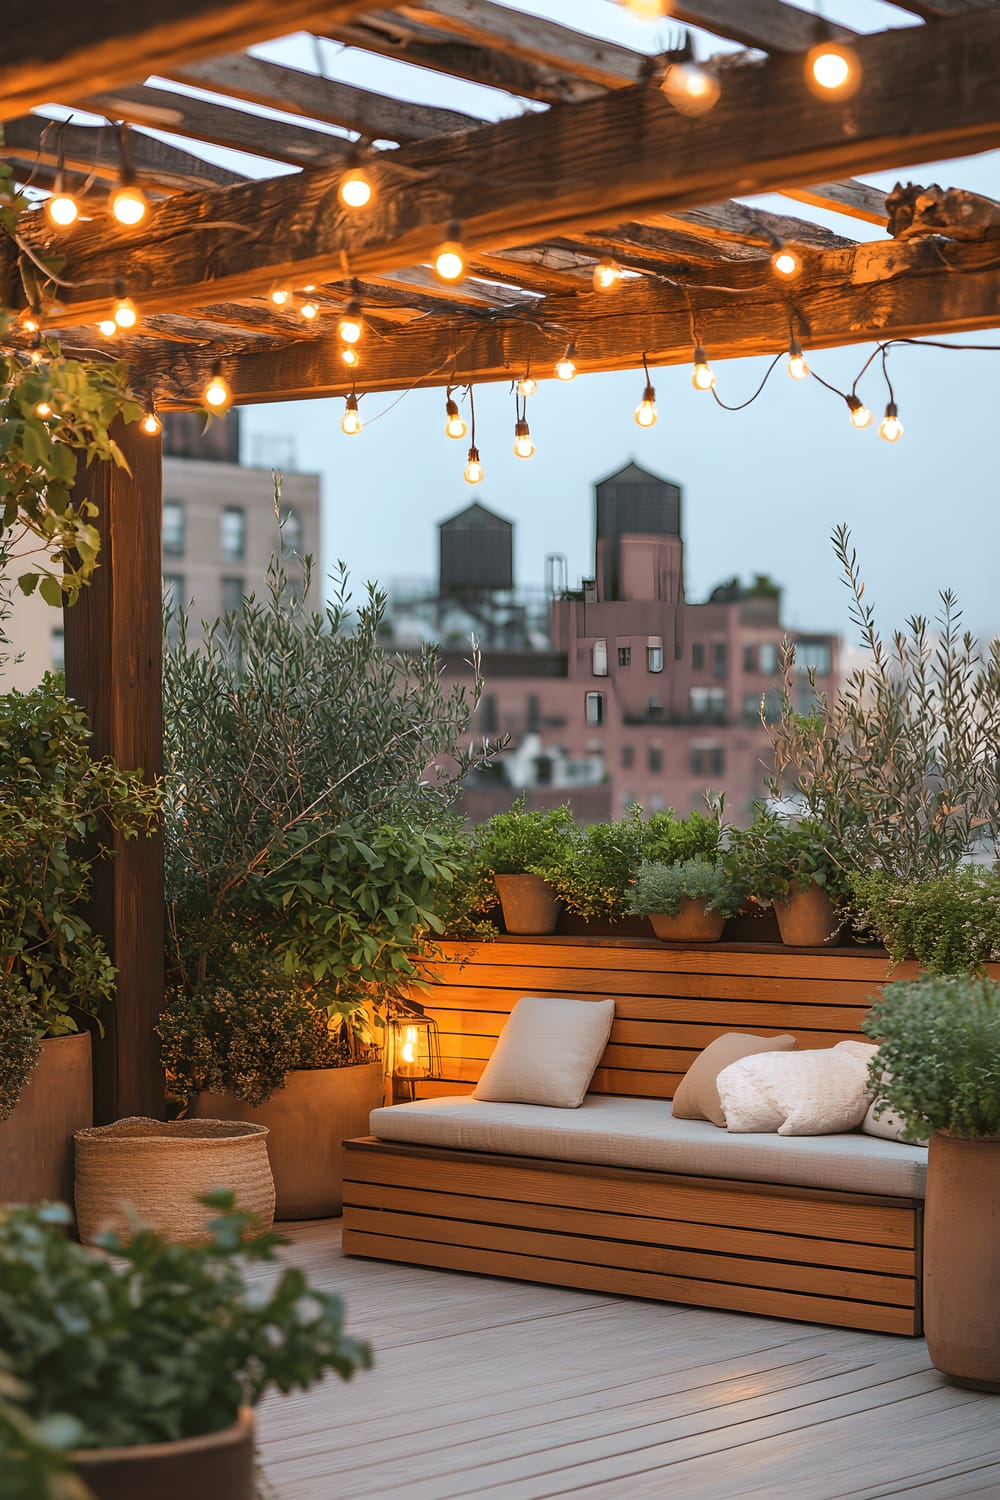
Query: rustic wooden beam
{"x":878,"y":291}
{"x":90,"y":148}
{"x":542,"y":176}
{"x":113,"y":667}
{"x":740,"y":223}
{"x":71,"y":46}
{"x":770,"y":24}
{"x":375,"y":116}
{"x":859,"y":200}
{"x":938,"y":10}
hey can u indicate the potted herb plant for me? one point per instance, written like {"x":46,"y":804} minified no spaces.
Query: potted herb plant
{"x":524,"y":851}
{"x":795,"y":865}
{"x":686,"y":902}
{"x":146,"y":1366}
{"x":949,"y":923}
{"x":671,"y":840}
{"x":938,"y":1067}
{"x":595,"y":881}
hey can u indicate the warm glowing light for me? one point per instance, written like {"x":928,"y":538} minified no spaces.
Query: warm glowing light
{"x":45,"y":409}
{"x":797,"y":367}
{"x":309,"y":310}
{"x":350,"y":356}
{"x":281,"y":296}
{"x":408,"y":1051}
{"x":786,"y":263}
{"x":449,"y":261}
{"x":648,"y":10}
{"x":860,"y":415}
{"x":151,"y":424}
{"x":607,"y":275}
{"x":703,"y":376}
{"x":349,"y":325}
{"x":129,"y":204}
{"x":28,"y":321}
{"x":454,"y":426}
{"x":565,"y":367}
{"x":833,"y":70}
{"x":217,"y":394}
{"x":350,"y":422}
{"x":473,"y":469}
{"x":890,"y":428}
{"x":645,"y":412}
{"x":523,"y":446}
{"x":691,"y":89}
{"x":527,"y":385}
{"x":108,"y":327}
{"x":125,"y":313}
{"x":356,"y":189}
{"x":62,"y":210}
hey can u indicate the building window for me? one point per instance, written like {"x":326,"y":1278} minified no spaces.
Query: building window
{"x":697,"y":761}
{"x":813,"y":655}
{"x":624,"y":656}
{"x":232,"y":595}
{"x":749,"y":658}
{"x":707,"y":704}
{"x":654,"y":654}
{"x":717,"y":760}
{"x":628,"y":756}
{"x":654,"y":707}
{"x":488,"y":714}
{"x":599,"y":658}
{"x":655,"y":758}
{"x":291,"y":530}
{"x":533,"y":716}
{"x":58,"y":651}
{"x":173,"y":528}
{"x":594,"y":708}
{"x":719,"y":659}
{"x":769,"y":658}
{"x":233,"y":532}
{"x":751,"y":708}
{"x":697,"y":656}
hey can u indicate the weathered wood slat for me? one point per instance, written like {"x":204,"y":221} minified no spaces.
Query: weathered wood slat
{"x":684,"y":1025}
{"x":598,"y":982}
{"x":89,"y":148}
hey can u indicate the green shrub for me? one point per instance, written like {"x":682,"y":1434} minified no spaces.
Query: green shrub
{"x":669,"y":840}
{"x":33,"y":1455}
{"x":19,"y":1041}
{"x":940,"y":1053}
{"x":776,"y":856}
{"x":597,"y":877}
{"x":163,"y":1341}
{"x":661,"y":888}
{"x":518,"y":842}
{"x":950,"y":924}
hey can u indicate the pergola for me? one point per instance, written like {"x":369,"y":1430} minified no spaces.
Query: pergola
{"x":597,"y":165}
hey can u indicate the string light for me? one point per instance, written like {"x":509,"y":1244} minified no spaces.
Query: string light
{"x":356,"y":189}
{"x":797,"y":367}
{"x":645,"y":412}
{"x":523,"y":446}
{"x":217,"y":394}
{"x":28,"y":319}
{"x":449,"y":257}
{"x":46,"y":409}
{"x":108,"y":327}
{"x":350,"y":422}
{"x":454,"y":424}
{"x":703,"y":376}
{"x":349,"y":325}
{"x":473,"y":468}
{"x":607,"y":276}
{"x":125,"y":313}
{"x":861,"y":417}
{"x":527,"y":385}
{"x":350,"y":356}
{"x":281,"y":296}
{"x":150,"y":423}
{"x":61,"y":208}
{"x":648,"y":10}
{"x":128,"y":203}
{"x":690,"y":88}
{"x":891,"y":428}
{"x":566,"y":367}
{"x":833,"y":70}
{"x":785,"y":262}
{"x":309,"y":310}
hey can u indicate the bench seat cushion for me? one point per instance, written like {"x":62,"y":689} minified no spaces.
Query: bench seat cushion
{"x":614,"y":1131}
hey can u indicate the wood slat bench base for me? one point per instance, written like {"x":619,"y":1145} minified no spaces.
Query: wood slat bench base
{"x":851,"y":1260}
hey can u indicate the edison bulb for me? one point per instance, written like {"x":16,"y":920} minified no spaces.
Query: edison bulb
{"x":28,"y":321}
{"x":62,"y":210}
{"x":129,"y":205}
{"x":833,"y":70}
{"x":108,"y":327}
{"x":786,"y":263}
{"x":565,"y":368}
{"x":125,"y":313}
{"x":527,"y":385}
{"x":217,"y":394}
{"x":356,"y":189}
{"x":690,"y":89}
{"x":350,"y":356}
{"x":523,"y":446}
{"x":350,"y":422}
{"x":861,"y":417}
{"x":349,"y":324}
{"x":454,"y":426}
{"x":797,"y":367}
{"x":890,"y":428}
{"x":648,"y":10}
{"x":309,"y":310}
{"x":44,"y":409}
{"x":607,"y":275}
{"x":449,"y":261}
{"x":645,"y":412}
{"x":151,"y":424}
{"x":702,"y":376}
{"x":473,"y":469}
{"x":281,"y":296}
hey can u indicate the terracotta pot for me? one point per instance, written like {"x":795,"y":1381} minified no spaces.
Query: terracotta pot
{"x":36,"y":1142}
{"x":309,"y":1119}
{"x":806,"y":919}
{"x":220,"y":1465}
{"x":529,"y":904}
{"x":962,"y":1259}
{"x":692,"y":924}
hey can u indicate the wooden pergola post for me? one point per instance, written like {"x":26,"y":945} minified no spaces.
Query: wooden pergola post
{"x":114,"y":669}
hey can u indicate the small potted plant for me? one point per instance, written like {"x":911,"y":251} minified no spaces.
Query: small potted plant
{"x":146,"y":1366}
{"x":595,"y":881}
{"x":796,"y":866}
{"x":670,"y":840}
{"x":686,"y":902}
{"x":938,"y":1068}
{"x":524,"y":852}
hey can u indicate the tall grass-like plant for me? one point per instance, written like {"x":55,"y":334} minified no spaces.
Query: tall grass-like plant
{"x":902,"y":761}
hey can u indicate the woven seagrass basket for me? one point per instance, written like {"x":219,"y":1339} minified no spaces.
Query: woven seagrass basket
{"x":155,"y":1171}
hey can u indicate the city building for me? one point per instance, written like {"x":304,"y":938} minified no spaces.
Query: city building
{"x":219,"y":534}
{"x":638,"y":694}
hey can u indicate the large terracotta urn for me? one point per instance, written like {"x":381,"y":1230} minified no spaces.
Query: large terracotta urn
{"x":962,"y":1259}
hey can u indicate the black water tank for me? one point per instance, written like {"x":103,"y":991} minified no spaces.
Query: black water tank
{"x":629,"y":502}
{"x":477,"y":552}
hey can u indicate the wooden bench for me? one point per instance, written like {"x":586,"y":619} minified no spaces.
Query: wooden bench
{"x":843,"y":1258}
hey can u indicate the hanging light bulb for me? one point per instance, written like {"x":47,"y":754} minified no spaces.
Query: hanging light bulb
{"x":691,"y":88}
{"x":217,"y":394}
{"x":45,"y":409}
{"x":449,"y":257}
{"x":645,"y":412}
{"x":523,"y":446}
{"x":349,"y":325}
{"x":703,"y":376}
{"x":607,"y":276}
{"x":833,"y":70}
{"x":891,"y":428}
{"x":797,"y":367}
{"x":61,"y":208}
{"x":350,"y":356}
{"x":309,"y":310}
{"x":356,"y":189}
{"x":150,"y":423}
{"x":648,"y":10}
{"x":785,"y":262}
{"x":125,"y":313}
{"x":129,"y":204}
{"x":527,"y":385}
{"x":566,"y":367}
{"x":473,"y":469}
{"x":281,"y":296}
{"x":860,"y":415}
{"x":454,"y":426}
{"x":108,"y":327}
{"x":350,"y":422}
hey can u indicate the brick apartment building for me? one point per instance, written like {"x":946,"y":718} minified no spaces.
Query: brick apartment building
{"x":639,"y":695}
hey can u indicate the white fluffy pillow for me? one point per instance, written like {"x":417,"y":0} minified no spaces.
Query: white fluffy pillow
{"x":547,"y":1052}
{"x":886,"y":1124}
{"x":817,"y":1092}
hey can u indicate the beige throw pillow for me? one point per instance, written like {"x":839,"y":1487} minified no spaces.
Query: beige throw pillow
{"x":885,"y":1124}
{"x":547,"y":1052}
{"x":697,"y":1097}
{"x":818,"y":1092}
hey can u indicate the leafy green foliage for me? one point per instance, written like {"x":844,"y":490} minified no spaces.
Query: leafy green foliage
{"x":164,"y":1341}
{"x":902,"y":763}
{"x":19,"y":1041}
{"x":57,"y":802}
{"x":661,"y":888}
{"x":597,"y":877}
{"x":777,"y":855}
{"x":668,"y":839}
{"x":33,"y":1454}
{"x":938,"y":1063}
{"x":519,"y":842}
{"x":950,"y":923}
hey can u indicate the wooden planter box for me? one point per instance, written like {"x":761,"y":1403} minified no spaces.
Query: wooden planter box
{"x":36,"y":1142}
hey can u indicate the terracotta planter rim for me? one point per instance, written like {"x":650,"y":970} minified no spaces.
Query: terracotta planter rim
{"x":236,"y":1432}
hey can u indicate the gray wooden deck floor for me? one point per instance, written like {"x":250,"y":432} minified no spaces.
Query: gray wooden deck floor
{"x":506,"y":1391}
